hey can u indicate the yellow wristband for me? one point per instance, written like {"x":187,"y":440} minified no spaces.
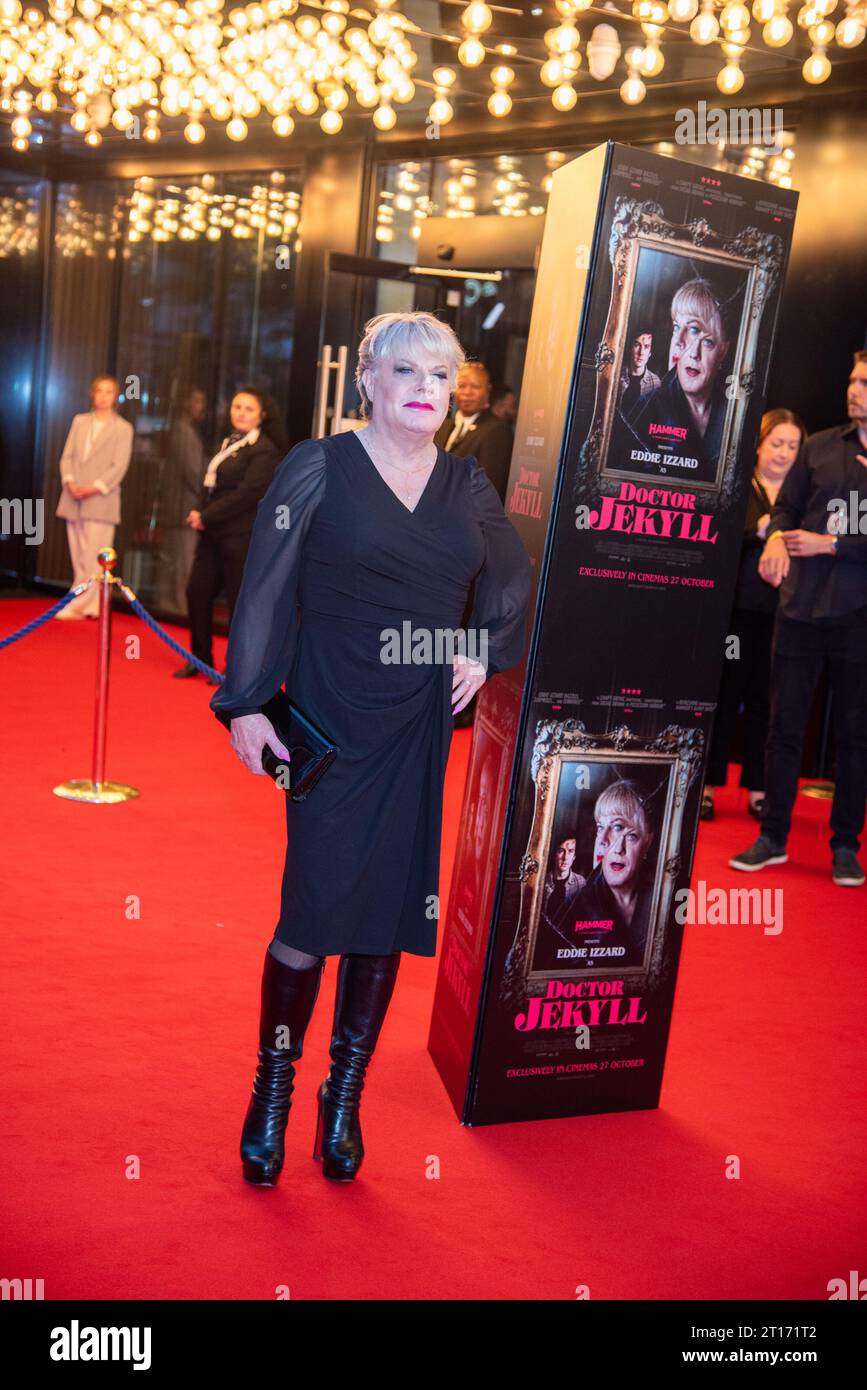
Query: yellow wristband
{"x":771,"y":536}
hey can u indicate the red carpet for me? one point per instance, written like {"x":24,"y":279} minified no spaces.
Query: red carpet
{"x":131,"y":1039}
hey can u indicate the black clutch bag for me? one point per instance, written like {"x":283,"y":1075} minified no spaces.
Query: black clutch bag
{"x":311,"y":751}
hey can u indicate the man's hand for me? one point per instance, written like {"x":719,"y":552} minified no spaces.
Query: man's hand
{"x":249,"y":734}
{"x":774,"y":562}
{"x":807,"y":543}
{"x":195,"y":520}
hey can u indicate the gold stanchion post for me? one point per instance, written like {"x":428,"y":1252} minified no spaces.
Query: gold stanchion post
{"x":97,"y":789}
{"x":821,"y":791}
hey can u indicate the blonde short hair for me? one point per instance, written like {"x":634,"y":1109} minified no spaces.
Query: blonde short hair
{"x":697,"y":297}
{"x":389,"y":335}
{"x":624,"y":797}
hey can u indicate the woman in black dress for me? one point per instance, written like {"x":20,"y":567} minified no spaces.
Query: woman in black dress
{"x":370,"y":533}
{"x":746,"y":677}
{"x":236,"y":479}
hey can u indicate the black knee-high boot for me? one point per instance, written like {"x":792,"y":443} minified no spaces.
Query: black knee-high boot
{"x":364,"y":988}
{"x":288,"y":997}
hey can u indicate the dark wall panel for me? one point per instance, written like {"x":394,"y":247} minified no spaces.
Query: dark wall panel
{"x":21,"y":216}
{"x":824,"y":312}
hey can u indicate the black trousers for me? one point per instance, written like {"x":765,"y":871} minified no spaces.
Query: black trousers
{"x":218,"y":564}
{"x":745,"y":680}
{"x":799,"y":654}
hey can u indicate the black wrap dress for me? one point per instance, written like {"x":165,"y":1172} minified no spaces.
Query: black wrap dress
{"x":337,"y":564}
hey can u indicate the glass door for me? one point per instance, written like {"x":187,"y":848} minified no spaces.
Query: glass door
{"x":356,"y":289}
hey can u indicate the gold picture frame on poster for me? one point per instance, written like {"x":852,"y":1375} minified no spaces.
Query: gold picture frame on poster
{"x":749,"y":265}
{"x":662,"y":769}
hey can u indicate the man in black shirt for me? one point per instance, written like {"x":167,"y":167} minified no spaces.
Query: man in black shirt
{"x":816,"y":553}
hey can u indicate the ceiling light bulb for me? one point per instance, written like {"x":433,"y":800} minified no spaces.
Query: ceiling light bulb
{"x":817,"y":67}
{"x":564,"y":97}
{"x":471,"y":53}
{"x":778,"y":31}
{"x":822,"y":34}
{"x":735,"y":16}
{"x":652,"y":60}
{"x":633,"y":90}
{"x":730,"y":79}
{"x":564,"y":39}
{"x":704,"y":28}
{"x":441,"y":111}
{"x":499,"y":103}
{"x":476,"y":18}
{"x":850,"y":32}
{"x":552,"y":72}
{"x":384,"y":118}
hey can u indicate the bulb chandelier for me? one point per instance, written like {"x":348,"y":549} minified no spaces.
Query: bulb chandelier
{"x":218,"y":67}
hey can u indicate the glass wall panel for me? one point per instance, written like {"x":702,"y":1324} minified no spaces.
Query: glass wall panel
{"x":20,"y":279}
{"x":494,"y":316}
{"x":88,"y":223}
{"x":207,"y":306}
{"x":185,"y":289}
{"x":517,"y":185}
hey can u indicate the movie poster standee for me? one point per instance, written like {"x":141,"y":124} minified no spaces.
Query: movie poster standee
{"x":648,"y":356}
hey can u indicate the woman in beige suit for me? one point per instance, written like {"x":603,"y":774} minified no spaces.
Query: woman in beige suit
{"x":95,"y":458}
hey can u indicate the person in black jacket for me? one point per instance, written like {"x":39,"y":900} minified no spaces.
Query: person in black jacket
{"x":816,"y":554}
{"x":746,"y":674}
{"x":475,"y":430}
{"x":237,"y":478}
